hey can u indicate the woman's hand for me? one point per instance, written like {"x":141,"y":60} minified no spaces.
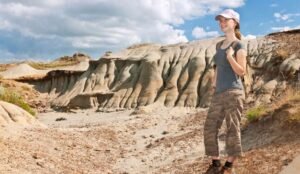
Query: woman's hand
{"x":238,"y":64}
{"x":229,"y":52}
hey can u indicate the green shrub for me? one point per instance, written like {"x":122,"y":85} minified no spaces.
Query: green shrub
{"x":255,"y":113}
{"x":15,"y":98}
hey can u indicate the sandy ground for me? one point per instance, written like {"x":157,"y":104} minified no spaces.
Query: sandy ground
{"x":153,"y":139}
{"x":146,"y":135}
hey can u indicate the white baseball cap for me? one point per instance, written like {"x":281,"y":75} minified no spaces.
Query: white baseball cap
{"x":229,"y":14}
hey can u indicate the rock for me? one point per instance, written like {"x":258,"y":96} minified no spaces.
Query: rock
{"x":172,"y":75}
{"x":165,"y":132}
{"x":60,"y":119}
{"x":290,"y":65}
{"x":21,"y":70}
{"x":293,"y":167}
{"x":268,"y":87}
{"x":25,"y":71}
{"x":10,"y":114}
{"x":141,"y":111}
{"x":149,"y":145}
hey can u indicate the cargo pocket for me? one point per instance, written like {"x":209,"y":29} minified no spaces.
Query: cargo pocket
{"x":240,"y":99}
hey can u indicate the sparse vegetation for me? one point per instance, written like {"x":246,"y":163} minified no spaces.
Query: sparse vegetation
{"x":27,"y":93}
{"x":14,"y":98}
{"x":295,"y":117}
{"x":55,"y":64}
{"x":282,"y":53}
{"x":290,"y":43}
{"x":291,"y":95}
{"x":25,"y":88}
{"x":4,"y":67}
{"x":62,"y":61}
{"x":294,"y":95}
{"x":138,"y":45}
{"x":253,"y":114}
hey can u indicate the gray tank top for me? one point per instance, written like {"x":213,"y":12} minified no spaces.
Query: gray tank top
{"x":226,"y":77}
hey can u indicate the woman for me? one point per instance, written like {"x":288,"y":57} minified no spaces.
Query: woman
{"x":228,"y":98}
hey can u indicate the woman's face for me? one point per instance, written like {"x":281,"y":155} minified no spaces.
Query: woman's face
{"x":226,"y":25}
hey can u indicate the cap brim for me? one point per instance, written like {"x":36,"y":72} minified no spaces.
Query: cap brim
{"x":223,"y":15}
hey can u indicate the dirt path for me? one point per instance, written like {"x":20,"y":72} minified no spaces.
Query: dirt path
{"x":73,"y":150}
{"x":150,"y":140}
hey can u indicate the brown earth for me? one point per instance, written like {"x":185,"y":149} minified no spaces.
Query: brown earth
{"x":31,"y":96}
{"x":151,"y":139}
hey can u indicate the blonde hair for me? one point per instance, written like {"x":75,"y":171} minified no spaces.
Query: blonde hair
{"x":237,"y":31}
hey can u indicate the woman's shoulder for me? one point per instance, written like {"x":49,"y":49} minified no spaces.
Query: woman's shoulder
{"x":219,"y":44}
{"x":238,"y":44}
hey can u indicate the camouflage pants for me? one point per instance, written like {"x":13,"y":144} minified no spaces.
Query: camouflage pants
{"x":226,"y":105}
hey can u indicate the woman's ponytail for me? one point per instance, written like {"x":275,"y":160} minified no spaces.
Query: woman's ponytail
{"x":237,"y":32}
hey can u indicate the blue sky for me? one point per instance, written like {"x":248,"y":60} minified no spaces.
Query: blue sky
{"x":258,"y":18}
{"x":48,"y":29}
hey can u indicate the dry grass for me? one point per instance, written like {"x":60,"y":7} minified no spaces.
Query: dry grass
{"x":27,"y":93}
{"x":139,"y":45}
{"x":290,"y":39}
{"x":62,"y":61}
{"x":55,"y":64}
{"x":4,"y":67}
{"x":257,"y":112}
{"x":295,"y":117}
{"x":11,"y":96}
{"x":291,"y":95}
{"x":282,"y":53}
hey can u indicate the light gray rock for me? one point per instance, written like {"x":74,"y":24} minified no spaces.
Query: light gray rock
{"x":173,"y":75}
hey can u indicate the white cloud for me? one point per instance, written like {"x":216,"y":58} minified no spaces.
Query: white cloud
{"x":274,"y":5}
{"x":285,"y":17}
{"x":279,"y":16}
{"x":99,"y":25}
{"x":249,"y":36}
{"x":199,"y":33}
{"x":285,"y":28}
{"x":5,"y":25}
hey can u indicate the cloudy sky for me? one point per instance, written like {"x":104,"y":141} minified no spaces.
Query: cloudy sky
{"x":48,"y":29}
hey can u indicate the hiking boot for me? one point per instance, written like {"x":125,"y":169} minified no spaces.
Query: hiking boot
{"x":226,"y":170}
{"x":213,"y":169}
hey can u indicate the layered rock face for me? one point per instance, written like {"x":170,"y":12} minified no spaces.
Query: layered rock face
{"x":173,"y":75}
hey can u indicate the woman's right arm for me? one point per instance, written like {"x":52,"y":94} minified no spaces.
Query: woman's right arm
{"x":215,"y":79}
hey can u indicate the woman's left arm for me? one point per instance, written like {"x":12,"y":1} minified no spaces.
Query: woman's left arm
{"x":238,"y":65}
